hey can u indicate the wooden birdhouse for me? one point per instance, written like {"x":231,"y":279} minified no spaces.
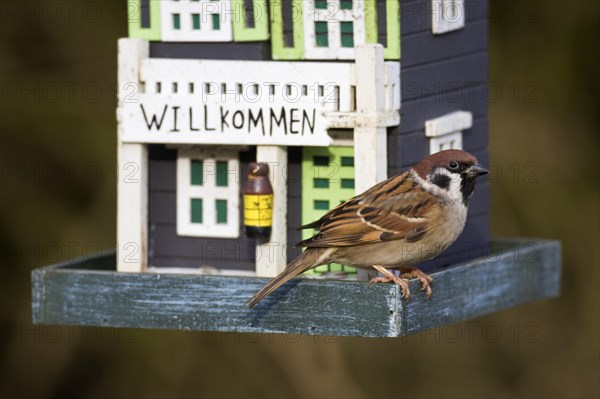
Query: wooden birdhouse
{"x":334,"y":96}
{"x":313,"y":88}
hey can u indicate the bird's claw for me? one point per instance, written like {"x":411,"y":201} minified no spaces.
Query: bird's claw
{"x":425,"y":280}
{"x":402,"y":283}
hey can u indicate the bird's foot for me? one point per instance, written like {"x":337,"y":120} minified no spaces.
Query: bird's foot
{"x":389,"y":276}
{"x":425,"y":279}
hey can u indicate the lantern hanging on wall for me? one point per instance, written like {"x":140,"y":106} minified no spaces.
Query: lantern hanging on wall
{"x":258,"y":202}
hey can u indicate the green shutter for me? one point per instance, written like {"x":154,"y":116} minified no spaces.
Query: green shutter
{"x":176,"y":21}
{"x":216,"y":21}
{"x":348,"y":183}
{"x":197,"y":173}
{"x":196,"y":21}
{"x":321,"y":205}
{"x":222,"y":175}
{"x":321,"y":183}
{"x":347,"y":34}
{"x":221,"y":206}
{"x":327,"y":180}
{"x":321,"y":34}
{"x":321,"y":4}
{"x":346,"y":4}
{"x":347,"y":161}
{"x":196,"y":206}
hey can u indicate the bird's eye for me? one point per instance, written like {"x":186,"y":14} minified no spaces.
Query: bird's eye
{"x":453,"y":165}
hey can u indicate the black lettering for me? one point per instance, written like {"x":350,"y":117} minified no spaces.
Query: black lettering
{"x":282,"y":119}
{"x":306,"y":119}
{"x":192,"y":128}
{"x":254,"y":121}
{"x":175,"y":109}
{"x":233,"y":119}
{"x":154,"y":122}
{"x":208,"y":129}
{"x":292,"y":120}
{"x":223,"y":119}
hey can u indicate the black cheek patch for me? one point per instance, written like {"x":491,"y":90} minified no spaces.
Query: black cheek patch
{"x":466,"y":188}
{"x":441,"y":181}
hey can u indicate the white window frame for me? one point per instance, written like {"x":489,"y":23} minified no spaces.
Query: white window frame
{"x":447,"y":15}
{"x":333,"y":15}
{"x":445,"y":132}
{"x":208,"y":192}
{"x":206,"y":9}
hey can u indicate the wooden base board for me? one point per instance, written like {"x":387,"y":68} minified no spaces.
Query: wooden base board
{"x":91,"y":292}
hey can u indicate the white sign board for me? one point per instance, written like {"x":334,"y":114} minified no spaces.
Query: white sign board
{"x":235,"y":102}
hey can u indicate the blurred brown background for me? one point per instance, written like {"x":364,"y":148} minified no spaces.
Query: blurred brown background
{"x":57,"y":190}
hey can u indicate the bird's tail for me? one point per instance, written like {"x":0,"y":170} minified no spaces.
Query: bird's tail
{"x":310,"y":258}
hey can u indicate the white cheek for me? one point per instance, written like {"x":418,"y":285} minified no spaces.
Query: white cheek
{"x":454,"y":189}
{"x":452,"y":192}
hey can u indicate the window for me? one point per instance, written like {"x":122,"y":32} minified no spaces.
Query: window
{"x":145,"y":13}
{"x":333,"y":29}
{"x":197,"y":21}
{"x":287,"y":28}
{"x":250,"y":20}
{"x":208,"y":193}
{"x":327,"y":181}
{"x":445,"y":132}
{"x":447,"y":15}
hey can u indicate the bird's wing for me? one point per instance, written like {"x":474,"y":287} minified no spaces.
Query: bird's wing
{"x":392,"y":210}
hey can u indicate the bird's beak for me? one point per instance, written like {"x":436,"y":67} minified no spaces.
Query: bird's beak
{"x":476,"y":170}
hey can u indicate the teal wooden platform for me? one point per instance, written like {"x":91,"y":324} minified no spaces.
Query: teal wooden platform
{"x":90,"y":292}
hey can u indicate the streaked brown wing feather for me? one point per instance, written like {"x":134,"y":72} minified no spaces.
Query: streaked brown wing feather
{"x":392,"y":210}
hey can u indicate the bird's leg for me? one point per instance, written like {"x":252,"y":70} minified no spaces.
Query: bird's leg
{"x":413,"y":272}
{"x":389,"y":276}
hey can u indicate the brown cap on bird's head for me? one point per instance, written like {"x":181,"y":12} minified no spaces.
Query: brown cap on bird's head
{"x":442,"y":159}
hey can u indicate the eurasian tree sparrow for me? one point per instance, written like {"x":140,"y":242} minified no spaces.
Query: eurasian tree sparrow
{"x":396,"y":224}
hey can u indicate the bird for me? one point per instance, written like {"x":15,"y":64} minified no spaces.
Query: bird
{"x":396,"y":224}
